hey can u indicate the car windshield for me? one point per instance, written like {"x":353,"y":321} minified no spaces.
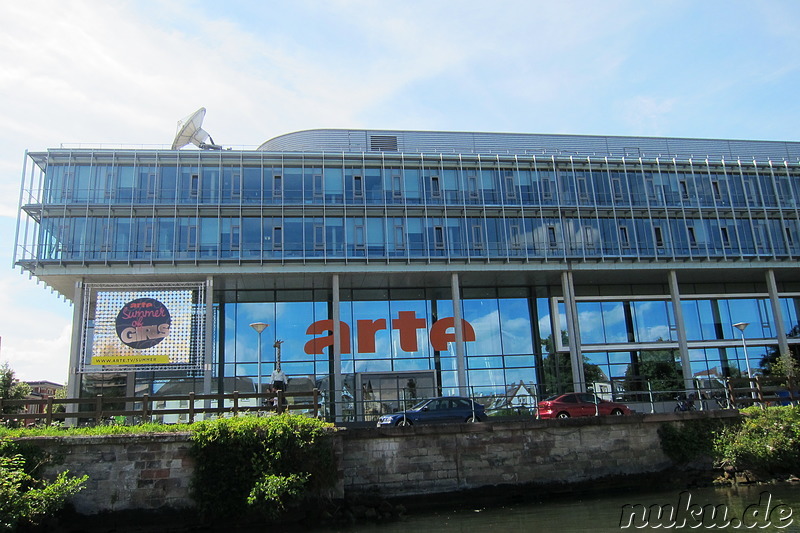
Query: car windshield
{"x":420,"y":405}
{"x":551,"y":398}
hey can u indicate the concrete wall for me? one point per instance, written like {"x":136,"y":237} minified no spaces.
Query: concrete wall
{"x":154,"y":471}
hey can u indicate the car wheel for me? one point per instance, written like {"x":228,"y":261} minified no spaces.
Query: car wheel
{"x":617,"y":412}
{"x":404,"y":422}
{"x":562,"y":414}
{"x":472,"y":419}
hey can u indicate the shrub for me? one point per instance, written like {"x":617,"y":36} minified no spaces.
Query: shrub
{"x":766,"y":440}
{"x":25,"y":499}
{"x":691,"y":440}
{"x":264,"y":465}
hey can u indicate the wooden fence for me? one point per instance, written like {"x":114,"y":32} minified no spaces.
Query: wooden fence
{"x":110,"y":409}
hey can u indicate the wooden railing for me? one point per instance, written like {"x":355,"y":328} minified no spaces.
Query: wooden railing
{"x":743,"y":392}
{"x":107,"y":409}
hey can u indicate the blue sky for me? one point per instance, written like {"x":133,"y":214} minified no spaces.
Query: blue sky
{"x":125,"y":72}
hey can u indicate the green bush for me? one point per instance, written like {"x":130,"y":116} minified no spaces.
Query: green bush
{"x":766,"y":440}
{"x":691,"y":440}
{"x":261,"y":465}
{"x":25,"y":499}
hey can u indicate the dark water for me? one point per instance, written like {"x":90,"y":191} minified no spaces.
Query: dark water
{"x":764,"y":507}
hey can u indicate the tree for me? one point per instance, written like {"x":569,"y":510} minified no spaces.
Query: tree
{"x":11,"y":389}
{"x":556,"y":372}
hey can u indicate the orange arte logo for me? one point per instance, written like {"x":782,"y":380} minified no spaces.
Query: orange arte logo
{"x":407,"y":323}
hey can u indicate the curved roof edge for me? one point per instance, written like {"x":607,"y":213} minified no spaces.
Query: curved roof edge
{"x":401,"y":141}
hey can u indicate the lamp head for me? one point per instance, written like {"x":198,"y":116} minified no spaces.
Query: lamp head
{"x":741,"y":326}
{"x":259,"y":326}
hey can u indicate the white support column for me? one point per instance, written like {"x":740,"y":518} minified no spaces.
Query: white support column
{"x":208,"y":359}
{"x":76,"y":344}
{"x":573,"y":332}
{"x":338,"y":383}
{"x":461,"y":367}
{"x":780,"y":325}
{"x":683,"y":344}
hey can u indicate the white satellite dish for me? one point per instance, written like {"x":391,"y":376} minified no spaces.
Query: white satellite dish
{"x":190,"y":132}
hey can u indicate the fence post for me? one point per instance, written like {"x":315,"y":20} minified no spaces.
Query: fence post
{"x":280,"y":401}
{"x":145,"y":405}
{"x":731,"y":395}
{"x":316,"y":403}
{"x":98,"y":410}
{"x":49,"y":411}
{"x":236,"y":403}
{"x":191,"y":407}
{"x":759,"y":392}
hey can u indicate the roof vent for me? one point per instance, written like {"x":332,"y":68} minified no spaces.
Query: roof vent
{"x":383,"y":143}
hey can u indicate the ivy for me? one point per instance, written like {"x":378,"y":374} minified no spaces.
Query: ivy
{"x":260,"y":465}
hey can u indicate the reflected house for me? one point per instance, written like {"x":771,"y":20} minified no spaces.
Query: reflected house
{"x":41,"y":390}
{"x":519,"y":397}
{"x":447,"y":258}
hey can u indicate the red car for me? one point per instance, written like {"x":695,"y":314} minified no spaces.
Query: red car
{"x":579,"y":404}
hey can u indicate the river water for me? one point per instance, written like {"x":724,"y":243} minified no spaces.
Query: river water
{"x":742,"y":508}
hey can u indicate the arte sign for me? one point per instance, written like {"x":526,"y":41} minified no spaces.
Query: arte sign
{"x":143,"y":328}
{"x":407,"y":324}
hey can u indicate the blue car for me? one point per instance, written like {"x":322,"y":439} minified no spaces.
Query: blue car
{"x":435,"y":411}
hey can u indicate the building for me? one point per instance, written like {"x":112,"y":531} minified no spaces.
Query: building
{"x":401,"y":264}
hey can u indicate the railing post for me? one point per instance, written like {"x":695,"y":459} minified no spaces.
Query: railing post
{"x":280,"y":401}
{"x":98,"y":410}
{"x":191,"y":407}
{"x":730,"y":394}
{"x":316,"y":403}
{"x":759,"y":392}
{"x":145,"y":406}
{"x":236,"y":403}
{"x":49,"y":410}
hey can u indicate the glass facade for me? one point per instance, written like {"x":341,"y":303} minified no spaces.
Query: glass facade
{"x":271,"y":229}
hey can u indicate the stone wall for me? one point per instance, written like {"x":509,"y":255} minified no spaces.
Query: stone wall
{"x":406,"y":461}
{"x":153,"y":472}
{"x":142,"y":472}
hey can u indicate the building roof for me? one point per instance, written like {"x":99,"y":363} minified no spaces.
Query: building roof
{"x":529,"y":144}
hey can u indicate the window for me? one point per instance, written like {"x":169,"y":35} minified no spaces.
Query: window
{"x":477,"y":237}
{"x":194,"y":185}
{"x":726,"y":239}
{"x":547,"y":193}
{"x":472,"y":185}
{"x":236,"y":183}
{"x":69,"y":181}
{"x":358,"y":186}
{"x":516,"y":241}
{"x":438,"y":237}
{"x":235,"y":235}
{"x":277,"y":238}
{"x":650,"y":187}
{"x":277,"y":186}
{"x":436,"y":188}
{"x":511,"y":189}
{"x":316,"y":181}
{"x":583,"y":189}
{"x":148,"y":237}
{"x":789,"y":235}
{"x":319,"y":237}
{"x":399,"y":237}
{"x":659,"y":236}
{"x":551,"y":236}
{"x":191,"y":238}
{"x":616,"y":187}
{"x":588,"y":237}
{"x":692,"y":236}
{"x":715,"y":189}
{"x":151,"y":185}
{"x":397,"y":186}
{"x":684,"y":188}
{"x":624,"y":241}
{"x":358,"y":236}
{"x":110,"y":185}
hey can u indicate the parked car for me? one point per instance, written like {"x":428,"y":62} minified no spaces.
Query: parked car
{"x":437,"y":410}
{"x":579,"y":404}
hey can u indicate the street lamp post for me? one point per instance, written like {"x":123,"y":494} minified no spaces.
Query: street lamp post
{"x":741,"y":327}
{"x":259,"y":327}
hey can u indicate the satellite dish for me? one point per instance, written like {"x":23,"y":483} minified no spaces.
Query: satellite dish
{"x":190,"y":132}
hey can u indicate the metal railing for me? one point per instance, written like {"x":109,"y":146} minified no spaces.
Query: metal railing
{"x":186,"y":408}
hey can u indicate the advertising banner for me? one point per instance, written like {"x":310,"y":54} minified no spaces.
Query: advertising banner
{"x":143,"y":328}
